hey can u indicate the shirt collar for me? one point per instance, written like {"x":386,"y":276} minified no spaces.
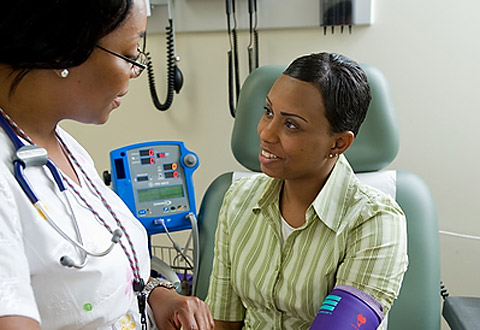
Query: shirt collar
{"x":271,"y":194}
{"x":328,"y":206}
{"x":330,"y":203}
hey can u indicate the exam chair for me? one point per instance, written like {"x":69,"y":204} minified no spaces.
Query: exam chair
{"x":418,"y":306}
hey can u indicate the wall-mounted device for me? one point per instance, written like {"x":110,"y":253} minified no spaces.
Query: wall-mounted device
{"x":232,"y":54}
{"x":345,"y":13}
{"x":174,"y":74}
{"x":155,"y":181}
{"x":209,"y":15}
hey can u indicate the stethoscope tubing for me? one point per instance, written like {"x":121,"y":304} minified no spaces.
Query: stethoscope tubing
{"x":115,"y":236}
{"x":18,"y":168}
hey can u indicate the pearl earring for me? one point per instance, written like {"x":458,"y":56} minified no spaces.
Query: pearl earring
{"x":64,"y":73}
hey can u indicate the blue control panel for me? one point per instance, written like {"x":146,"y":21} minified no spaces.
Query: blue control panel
{"x":154,"y":179}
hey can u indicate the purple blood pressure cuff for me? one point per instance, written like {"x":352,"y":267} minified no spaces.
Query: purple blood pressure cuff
{"x":347,"y":307}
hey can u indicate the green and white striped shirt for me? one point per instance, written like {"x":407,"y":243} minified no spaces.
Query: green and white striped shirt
{"x":354,"y":235}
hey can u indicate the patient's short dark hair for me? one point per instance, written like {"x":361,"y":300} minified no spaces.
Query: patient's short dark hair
{"x":342,"y":83}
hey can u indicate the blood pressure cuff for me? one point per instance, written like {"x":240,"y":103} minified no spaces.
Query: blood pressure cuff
{"x":347,"y":307}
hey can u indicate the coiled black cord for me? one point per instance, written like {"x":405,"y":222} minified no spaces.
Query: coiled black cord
{"x":443,"y":291}
{"x":174,"y":75}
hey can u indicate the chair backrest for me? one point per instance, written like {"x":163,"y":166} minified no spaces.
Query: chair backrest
{"x":374,"y":148}
{"x":418,"y":305}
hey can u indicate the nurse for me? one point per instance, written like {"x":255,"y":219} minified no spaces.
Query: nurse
{"x":73,"y":59}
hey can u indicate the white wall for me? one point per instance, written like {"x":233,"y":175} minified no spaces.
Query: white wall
{"x":427,"y":49}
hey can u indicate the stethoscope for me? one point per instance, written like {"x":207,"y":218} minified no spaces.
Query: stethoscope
{"x":33,"y":155}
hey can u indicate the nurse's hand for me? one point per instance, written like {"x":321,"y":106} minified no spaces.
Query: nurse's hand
{"x":18,"y":322}
{"x":173,"y":311}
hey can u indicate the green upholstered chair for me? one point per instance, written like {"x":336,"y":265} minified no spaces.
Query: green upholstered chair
{"x":418,"y":306}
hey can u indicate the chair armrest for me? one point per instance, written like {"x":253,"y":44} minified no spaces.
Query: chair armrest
{"x":462,"y":313}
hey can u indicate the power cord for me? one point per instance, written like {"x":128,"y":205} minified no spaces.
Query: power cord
{"x":451,"y":233}
{"x":183,"y":253}
{"x":175,"y":244}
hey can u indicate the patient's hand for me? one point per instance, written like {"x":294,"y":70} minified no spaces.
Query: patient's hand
{"x":174,"y":311}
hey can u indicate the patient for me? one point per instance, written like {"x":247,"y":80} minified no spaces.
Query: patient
{"x":287,"y":237}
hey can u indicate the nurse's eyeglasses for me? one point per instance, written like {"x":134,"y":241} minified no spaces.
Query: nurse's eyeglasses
{"x":138,"y":64}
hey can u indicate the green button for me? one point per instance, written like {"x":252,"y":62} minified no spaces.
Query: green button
{"x":87,"y":307}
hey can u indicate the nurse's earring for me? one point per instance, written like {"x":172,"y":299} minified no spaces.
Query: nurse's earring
{"x":331,"y":155}
{"x":64,"y":73}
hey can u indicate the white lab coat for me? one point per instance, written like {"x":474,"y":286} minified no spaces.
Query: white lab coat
{"x":33,"y":283}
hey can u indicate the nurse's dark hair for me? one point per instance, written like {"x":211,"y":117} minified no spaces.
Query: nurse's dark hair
{"x":54,"y":34}
{"x":343,"y":85}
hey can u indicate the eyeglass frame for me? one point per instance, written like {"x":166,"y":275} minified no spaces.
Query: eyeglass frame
{"x":129,"y":60}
